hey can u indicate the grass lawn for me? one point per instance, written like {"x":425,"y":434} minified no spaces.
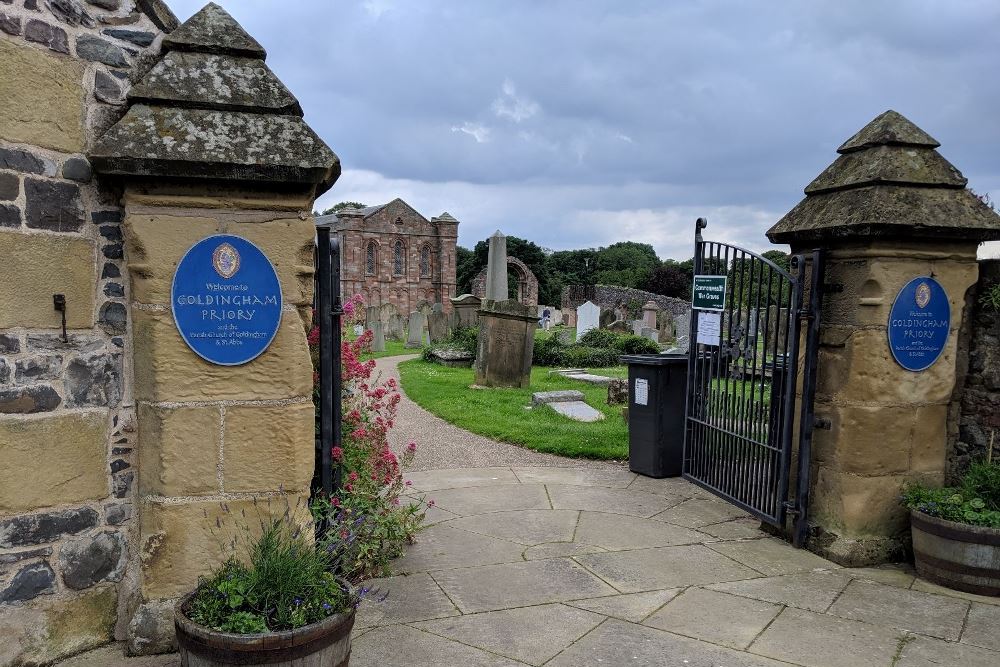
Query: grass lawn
{"x":501,"y":413}
{"x":393,"y":348}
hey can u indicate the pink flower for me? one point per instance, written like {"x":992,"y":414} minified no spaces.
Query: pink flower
{"x":353,"y":476}
{"x":430,"y":503}
{"x":409,"y":483}
{"x":337,"y":453}
{"x":412,"y":447}
{"x":335,"y":501}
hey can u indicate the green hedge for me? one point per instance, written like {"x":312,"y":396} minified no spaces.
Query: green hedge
{"x":597,"y":348}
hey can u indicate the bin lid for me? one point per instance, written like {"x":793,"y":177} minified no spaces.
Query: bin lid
{"x":654,"y":359}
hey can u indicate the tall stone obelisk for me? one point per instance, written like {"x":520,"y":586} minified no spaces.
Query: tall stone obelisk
{"x":496,"y":268}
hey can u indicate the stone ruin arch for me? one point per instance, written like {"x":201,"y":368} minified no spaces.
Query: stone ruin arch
{"x":527,"y":283}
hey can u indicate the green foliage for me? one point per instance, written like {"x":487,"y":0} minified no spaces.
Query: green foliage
{"x":629,"y":344}
{"x":975,"y":501}
{"x":990,"y":298}
{"x":342,"y":205}
{"x":584,"y":356}
{"x":462,"y":338}
{"x":599,"y":338}
{"x":286,"y":583}
{"x":670,"y":279}
{"x":598,"y":348}
{"x":548,"y":352}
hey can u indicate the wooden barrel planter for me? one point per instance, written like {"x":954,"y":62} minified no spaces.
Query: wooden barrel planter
{"x":956,"y":555}
{"x":323,"y":644}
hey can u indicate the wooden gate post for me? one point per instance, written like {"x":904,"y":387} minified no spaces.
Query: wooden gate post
{"x":889,"y":210}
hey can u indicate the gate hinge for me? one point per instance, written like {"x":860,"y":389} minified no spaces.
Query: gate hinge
{"x":791,"y":508}
{"x":832,"y":288}
{"x":823,"y":423}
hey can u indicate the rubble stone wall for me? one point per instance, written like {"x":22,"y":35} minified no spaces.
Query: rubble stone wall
{"x":67,"y":421}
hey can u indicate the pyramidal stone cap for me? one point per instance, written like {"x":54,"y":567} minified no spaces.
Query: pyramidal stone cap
{"x":889,"y":181}
{"x":212,"y":109}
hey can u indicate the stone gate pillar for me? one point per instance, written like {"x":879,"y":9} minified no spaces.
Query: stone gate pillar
{"x":888,"y":210}
{"x":213,"y":143}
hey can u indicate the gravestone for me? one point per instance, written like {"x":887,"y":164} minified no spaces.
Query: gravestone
{"x":682,"y":325}
{"x":437,"y":307}
{"x":649,"y":312}
{"x":465,"y":310}
{"x":425,"y":307}
{"x":378,"y":337}
{"x":371,"y":316}
{"x":557,"y":317}
{"x":588,"y":315}
{"x":437,"y":327}
{"x":505,"y":345}
{"x":651,"y":333}
{"x":606,"y":318}
{"x":618,"y":326}
{"x":395,"y":328}
{"x":385,"y":313}
{"x":496,"y":268}
{"x":415,"y":329}
{"x":637,"y":326}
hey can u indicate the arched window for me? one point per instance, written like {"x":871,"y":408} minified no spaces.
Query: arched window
{"x":425,"y":262}
{"x":398,"y":259}
{"x":371,"y":258}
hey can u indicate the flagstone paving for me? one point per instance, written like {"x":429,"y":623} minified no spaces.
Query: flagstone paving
{"x":566,"y":567}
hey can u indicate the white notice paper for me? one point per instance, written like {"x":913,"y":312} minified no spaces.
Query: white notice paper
{"x":641,"y":391}
{"x":709,"y":328}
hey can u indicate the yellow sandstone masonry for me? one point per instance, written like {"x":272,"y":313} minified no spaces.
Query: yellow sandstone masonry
{"x":167,"y":370}
{"x":40,"y":265}
{"x":50,"y":461}
{"x":49,"y":628}
{"x":178,"y":542}
{"x":41,"y":98}
{"x":269,"y":447}
{"x":155,"y":245}
{"x":179,"y":448}
{"x":290,"y":245}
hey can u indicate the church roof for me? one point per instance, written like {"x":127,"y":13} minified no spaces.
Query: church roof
{"x":211,"y":108}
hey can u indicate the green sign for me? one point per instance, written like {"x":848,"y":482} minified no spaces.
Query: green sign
{"x":709,"y":293}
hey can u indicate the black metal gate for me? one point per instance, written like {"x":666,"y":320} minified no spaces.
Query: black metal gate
{"x":743,"y":374}
{"x":329,"y":310}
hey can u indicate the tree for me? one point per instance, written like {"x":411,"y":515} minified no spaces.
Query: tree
{"x":342,"y":205}
{"x":669,"y":279}
{"x":528,"y":252}
{"x":627,"y":263}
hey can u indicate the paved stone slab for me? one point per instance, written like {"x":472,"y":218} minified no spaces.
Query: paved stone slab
{"x":928,"y":587}
{"x":617,"y":532}
{"x":772,"y":557}
{"x":412,"y":598}
{"x":615,"y":501}
{"x":982,"y":628}
{"x":576,"y":476}
{"x":542,"y":397}
{"x":699,"y":512}
{"x":817,"y":640}
{"x":925,"y":613}
{"x":577,"y":411}
{"x":519,"y":584}
{"x":632,"y":607}
{"x":616,"y":643}
{"x":888,"y":575}
{"x":719,"y":618}
{"x":403,"y":646}
{"x":560,"y":549}
{"x":928,"y":652}
{"x":814,"y":591}
{"x":737,"y":529}
{"x":114,"y":655}
{"x":454,"y":478}
{"x":589,"y":378}
{"x":527,"y":527}
{"x":529,"y":634}
{"x":441,"y":547}
{"x":664,"y":567}
{"x":469,"y":501}
{"x":674,"y":487}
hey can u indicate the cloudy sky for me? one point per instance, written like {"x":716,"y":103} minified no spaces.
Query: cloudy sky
{"x":579,"y":123}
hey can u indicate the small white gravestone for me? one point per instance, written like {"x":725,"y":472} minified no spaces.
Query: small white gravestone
{"x":588,"y":316}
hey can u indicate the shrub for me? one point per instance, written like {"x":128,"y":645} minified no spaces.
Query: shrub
{"x":548,"y":352}
{"x":629,"y":344}
{"x":586,"y":356}
{"x":287,"y":582}
{"x":604,"y":338}
{"x":975,"y":501}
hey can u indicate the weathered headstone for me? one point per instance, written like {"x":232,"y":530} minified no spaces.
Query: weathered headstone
{"x":371,"y":316}
{"x":496,"y":268}
{"x":619,"y":326}
{"x":506,"y":342}
{"x":385,"y":313}
{"x":651,"y":333}
{"x":415,"y":329}
{"x":465,"y":310}
{"x":395,"y":328}
{"x":378,"y":337}
{"x":437,"y":327}
{"x":606,"y":318}
{"x":425,"y":307}
{"x":649,"y":312}
{"x":437,"y":307}
{"x":588,"y":315}
{"x":682,"y":326}
{"x":557,"y":317}
{"x":637,"y":326}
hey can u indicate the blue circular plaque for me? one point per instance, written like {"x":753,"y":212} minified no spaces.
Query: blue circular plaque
{"x":226,"y":300}
{"x":919,"y":323}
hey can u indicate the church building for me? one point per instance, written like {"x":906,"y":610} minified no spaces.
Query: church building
{"x":392,"y":254}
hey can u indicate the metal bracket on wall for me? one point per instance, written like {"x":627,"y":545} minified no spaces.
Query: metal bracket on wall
{"x":59,"y":303}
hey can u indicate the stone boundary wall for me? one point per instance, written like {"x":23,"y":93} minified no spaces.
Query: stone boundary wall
{"x":975,"y":411}
{"x":67,"y":421}
{"x":614,"y":296}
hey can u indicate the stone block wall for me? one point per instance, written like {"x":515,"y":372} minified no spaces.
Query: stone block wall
{"x":67,"y":422}
{"x":975,"y":411}
{"x":610,"y":297}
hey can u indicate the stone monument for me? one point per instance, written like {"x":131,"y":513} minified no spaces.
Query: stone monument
{"x":437,"y":327}
{"x":588,"y":315}
{"x":465,"y":311}
{"x":378,"y":337}
{"x":415,"y":330}
{"x":506,"y":328}
{"x":649,"y":312}
{"x":889,"y":210}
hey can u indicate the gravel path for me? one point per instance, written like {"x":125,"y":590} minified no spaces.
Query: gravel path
{"x":441,"y":445}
